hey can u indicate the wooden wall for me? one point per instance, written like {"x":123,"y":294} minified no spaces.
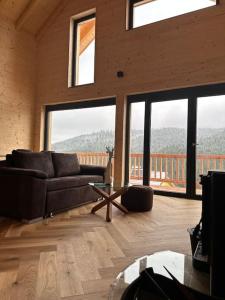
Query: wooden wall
{"x":188,"y":50}
{"x":17,"y":88}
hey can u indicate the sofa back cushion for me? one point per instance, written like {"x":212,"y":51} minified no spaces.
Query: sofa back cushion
{"x":9,"y":157}
{"x":9,"y":160}
{"x":34,"y":160}
{"x":65,"y":164}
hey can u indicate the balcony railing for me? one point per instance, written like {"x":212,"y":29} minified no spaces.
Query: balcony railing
{"x":170,"y":168}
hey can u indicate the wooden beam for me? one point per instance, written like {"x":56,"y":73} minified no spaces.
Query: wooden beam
{"x":87,"y":35}
{"x":27,"y":13}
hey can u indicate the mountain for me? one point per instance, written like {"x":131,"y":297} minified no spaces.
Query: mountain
{"x":163,"y":140}
{"x":94,"y":142}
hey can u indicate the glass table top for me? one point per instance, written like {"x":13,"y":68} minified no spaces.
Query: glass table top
{"x":102,"y":184}
{"x":178,"y":264}
{"x":99,"y":184}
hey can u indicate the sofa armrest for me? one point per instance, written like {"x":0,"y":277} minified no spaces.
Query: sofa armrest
{"x":23,"y":196}
{"x":20,"y":171}
{"x":3,"y":163}
{"x":92,"y":170}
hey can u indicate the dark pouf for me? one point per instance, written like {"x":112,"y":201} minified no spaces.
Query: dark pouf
{"x":138,"y":198}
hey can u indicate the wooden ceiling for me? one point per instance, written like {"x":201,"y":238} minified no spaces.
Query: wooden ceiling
{"x":28,"y":15}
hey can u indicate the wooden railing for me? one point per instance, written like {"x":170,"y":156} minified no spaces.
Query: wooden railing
{"x":170,"y":168}
{"x":163,"y":167}
{"x":94,"y":158}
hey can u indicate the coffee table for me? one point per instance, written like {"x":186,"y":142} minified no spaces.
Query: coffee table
{"x":178,"y":264}
{"x":108,"y":198}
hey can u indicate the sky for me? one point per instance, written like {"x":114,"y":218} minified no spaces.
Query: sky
{"x":70,"y":123}
{"x":211,"y":113}
{"x":163,"y":9}
{"x":87,"y":65}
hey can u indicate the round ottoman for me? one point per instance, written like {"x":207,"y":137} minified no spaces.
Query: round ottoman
{"x":138,"y":198}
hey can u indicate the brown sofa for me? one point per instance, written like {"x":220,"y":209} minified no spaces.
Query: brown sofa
{"x":34,"y":185}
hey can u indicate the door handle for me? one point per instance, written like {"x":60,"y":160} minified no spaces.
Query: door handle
{"x":194,"y":144}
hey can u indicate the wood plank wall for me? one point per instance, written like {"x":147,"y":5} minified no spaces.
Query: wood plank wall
{"x":188,"y":50}
{"x":17,"y":88}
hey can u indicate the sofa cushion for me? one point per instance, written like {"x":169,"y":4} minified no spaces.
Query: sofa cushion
{"x":60,"y":183}
{"x":9,"y":160}
{"x":65,"y":164}
{"x":41,"y":161}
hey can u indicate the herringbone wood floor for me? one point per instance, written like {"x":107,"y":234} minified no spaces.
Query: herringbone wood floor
{"x":77,"y":255}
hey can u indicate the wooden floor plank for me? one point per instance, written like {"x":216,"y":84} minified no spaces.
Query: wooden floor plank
{"x":77,"y":255}
{"x":70,"y":281}
{"x":47,"y":280}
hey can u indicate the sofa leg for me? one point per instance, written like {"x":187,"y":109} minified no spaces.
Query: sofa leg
{"x":99,"y":199}
{"x":32,"y":221}
{"x":50,"y":215}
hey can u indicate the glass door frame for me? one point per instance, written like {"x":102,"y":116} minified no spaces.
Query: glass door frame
{"x":192,"y":94}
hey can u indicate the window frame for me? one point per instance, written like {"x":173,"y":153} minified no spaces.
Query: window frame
{"x":131,"y":4}
{"x":69,"y":106}
{"x":76,"y":22}
{"x":190,"y":93}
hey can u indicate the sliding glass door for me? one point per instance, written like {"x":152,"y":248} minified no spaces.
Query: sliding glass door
{"x":210,"y":150}
{"x":136,"y":142}
{"x":174,"y":137}
{"x":168,"y":147}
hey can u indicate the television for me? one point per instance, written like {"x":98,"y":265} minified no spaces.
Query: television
{"x":206,"y":213}
{"x":212,"y":237}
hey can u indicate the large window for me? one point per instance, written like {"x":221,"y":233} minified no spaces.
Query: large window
{"x":173,"y":137}
{"x":83,"y":52}
{"x":210,"y":147}
{"x":151,"y":11}
{"x":136,"y":142}
{"x":85,"y":128}
{"x":168,"y":145}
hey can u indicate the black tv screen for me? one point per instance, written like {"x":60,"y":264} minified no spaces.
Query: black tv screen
{"x":206,"y":218}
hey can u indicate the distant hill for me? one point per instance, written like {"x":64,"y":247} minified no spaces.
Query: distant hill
{"x":164,"y":140}
{"x":95,"y":141}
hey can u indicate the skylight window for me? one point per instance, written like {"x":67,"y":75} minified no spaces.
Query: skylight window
{"x":151,"y":11}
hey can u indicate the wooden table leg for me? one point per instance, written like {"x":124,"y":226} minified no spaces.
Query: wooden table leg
{"x":98,"y":206}
{"x":109,"y":212}
{"x":120,"y":206}
{"x":109,"y":200}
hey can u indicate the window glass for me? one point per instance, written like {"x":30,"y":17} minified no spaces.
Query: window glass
{"x":85,"y":131}
{"x":146,"y":12}
{"x":84,"y":52}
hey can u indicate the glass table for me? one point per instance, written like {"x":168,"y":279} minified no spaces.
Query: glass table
{"x":179,"y":265}
{"x":108,"y":196}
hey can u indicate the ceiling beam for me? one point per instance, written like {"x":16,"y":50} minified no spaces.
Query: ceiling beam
{"x":26,"y":13}
{"x":87,"y":35}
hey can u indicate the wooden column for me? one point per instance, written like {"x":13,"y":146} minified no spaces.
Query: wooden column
{"x":119,"y":162}
{"x":39,"y":128}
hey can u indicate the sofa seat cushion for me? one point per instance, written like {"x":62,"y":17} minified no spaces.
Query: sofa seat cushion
{"x":60,"y":183}
{"x":41,"y":161}
{"x":65,"y":164}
